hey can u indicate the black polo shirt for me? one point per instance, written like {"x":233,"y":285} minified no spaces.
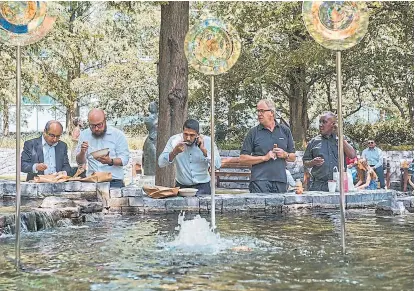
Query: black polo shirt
{"x":259,"y":141}
{"x":325,"y":147}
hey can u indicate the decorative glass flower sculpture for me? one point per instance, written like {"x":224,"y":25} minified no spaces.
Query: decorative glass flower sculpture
{"x":336,"y":25}
{"x":23,"y":22}
{"x":212,"y":47}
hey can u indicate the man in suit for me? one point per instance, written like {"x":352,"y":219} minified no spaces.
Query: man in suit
{"x":46,"y":154}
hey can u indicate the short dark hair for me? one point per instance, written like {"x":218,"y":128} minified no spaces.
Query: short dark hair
{"x":50,"y":122}
{"x":191,"y":124}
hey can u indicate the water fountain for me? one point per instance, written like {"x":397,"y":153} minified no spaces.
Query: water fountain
{"x":142,"y":252}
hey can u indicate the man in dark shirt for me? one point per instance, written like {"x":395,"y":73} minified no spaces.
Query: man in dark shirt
{"x":321,"y":154}
{"x":266,"y":148}
{"x":46,"y":154}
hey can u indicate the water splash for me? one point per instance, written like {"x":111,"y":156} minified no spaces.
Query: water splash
{"x":195,"y":235}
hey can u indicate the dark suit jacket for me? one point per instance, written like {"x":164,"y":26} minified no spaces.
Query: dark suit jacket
{"x":33,"y":153}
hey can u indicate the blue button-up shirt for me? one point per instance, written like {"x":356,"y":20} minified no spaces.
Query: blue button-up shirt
{"x":115,"y":140}
{"x":373,"y":156}
{"x":191,"y":165}
{"x":49,"y":157}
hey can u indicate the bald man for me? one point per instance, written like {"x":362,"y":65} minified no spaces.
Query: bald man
{"x":321,"y":154}
{"x":46,"y":154}
{"x":99,"y":136}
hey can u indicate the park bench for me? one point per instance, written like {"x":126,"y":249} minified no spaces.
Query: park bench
{"x":232,"y":170}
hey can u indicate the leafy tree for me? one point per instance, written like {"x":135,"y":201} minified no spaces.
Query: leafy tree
{"x":65,"y":53}
{"x":125,"y":80}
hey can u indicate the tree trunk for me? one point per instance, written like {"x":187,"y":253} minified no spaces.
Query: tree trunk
{"x":70,"y":115}
{"x":173,"y":87}
{"x":5,"y":118}
{"x":298,"y":107}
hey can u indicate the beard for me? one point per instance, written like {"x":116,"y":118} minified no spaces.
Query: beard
{"x":101,"y":133}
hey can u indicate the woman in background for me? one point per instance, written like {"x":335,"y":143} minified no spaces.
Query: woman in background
{"x":76,"y":131}
{"x":367,"y":176}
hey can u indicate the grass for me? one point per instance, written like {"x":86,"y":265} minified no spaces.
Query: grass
{"x":136,"y":142}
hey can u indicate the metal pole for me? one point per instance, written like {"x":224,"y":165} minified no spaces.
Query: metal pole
{"x":341,"y":150}
{"x":18,"y":163}
{"x":212,"y":152}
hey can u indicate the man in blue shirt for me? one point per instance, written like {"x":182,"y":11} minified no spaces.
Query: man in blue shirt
{"x":190,"y":153}
{"x":374,"y":158}
{"x":46,"y":154}
{"x":100,"y":136}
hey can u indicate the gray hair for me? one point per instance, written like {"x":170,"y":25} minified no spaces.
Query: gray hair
{"x":50,"y":122}
{"x":329,"y":114}
{"x":270,"y":104}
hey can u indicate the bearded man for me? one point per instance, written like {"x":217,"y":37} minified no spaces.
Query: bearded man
{"x":100,"y":136}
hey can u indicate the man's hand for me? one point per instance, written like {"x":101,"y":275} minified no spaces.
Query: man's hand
{"x":41,"y":167}
{"x":84,"y":147}
{"x":105,"y":159}
{"x":179,"y":148}
{"x":200,"y":142}
{"x":318,"y":161}
{"x":268,"y":156}
{"x":280,"y":153}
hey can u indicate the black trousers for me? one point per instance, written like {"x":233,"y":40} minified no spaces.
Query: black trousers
{"x":267,"y":187}
{"x":116,"y":183}
{"x":202,"y":188}
{"x":319,"y":185}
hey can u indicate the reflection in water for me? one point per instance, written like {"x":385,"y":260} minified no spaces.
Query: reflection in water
{"x":287,"y":252}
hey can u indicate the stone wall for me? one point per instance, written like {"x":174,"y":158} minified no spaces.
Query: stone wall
{"x":77,"y":198}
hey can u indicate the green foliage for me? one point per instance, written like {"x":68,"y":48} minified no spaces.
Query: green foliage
{"x":229,"y":145}
{"x":104,"y":54}
{"x":396,"y":132}
{"x":135,"y":130}
{"x":388,"y":147}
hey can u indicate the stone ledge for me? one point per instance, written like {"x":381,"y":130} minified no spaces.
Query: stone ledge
{"x":41,"y":190}
{"x":114,"y":200}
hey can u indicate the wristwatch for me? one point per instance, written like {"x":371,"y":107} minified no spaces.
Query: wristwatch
{"x":112,"y":163}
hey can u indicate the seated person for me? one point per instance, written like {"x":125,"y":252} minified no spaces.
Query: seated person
{"x":411,"y":172}
{"x":367,"y":176}
{"x":46,"y":154}
{"x":290,"y":179}
{"x":352,"y":165}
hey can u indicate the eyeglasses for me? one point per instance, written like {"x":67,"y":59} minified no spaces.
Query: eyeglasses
{"x":53,"y":136}
{"x":262,"y":111}
{"x":98,"y":125}
{"x":370,"y":142}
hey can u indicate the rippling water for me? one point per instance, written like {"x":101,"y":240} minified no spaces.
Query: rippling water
{"x":293,"y":252}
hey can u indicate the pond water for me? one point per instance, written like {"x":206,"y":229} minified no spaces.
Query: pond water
{"x":280,"y":252}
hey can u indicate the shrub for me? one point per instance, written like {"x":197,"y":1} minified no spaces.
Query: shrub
{"x":388,"y":133}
